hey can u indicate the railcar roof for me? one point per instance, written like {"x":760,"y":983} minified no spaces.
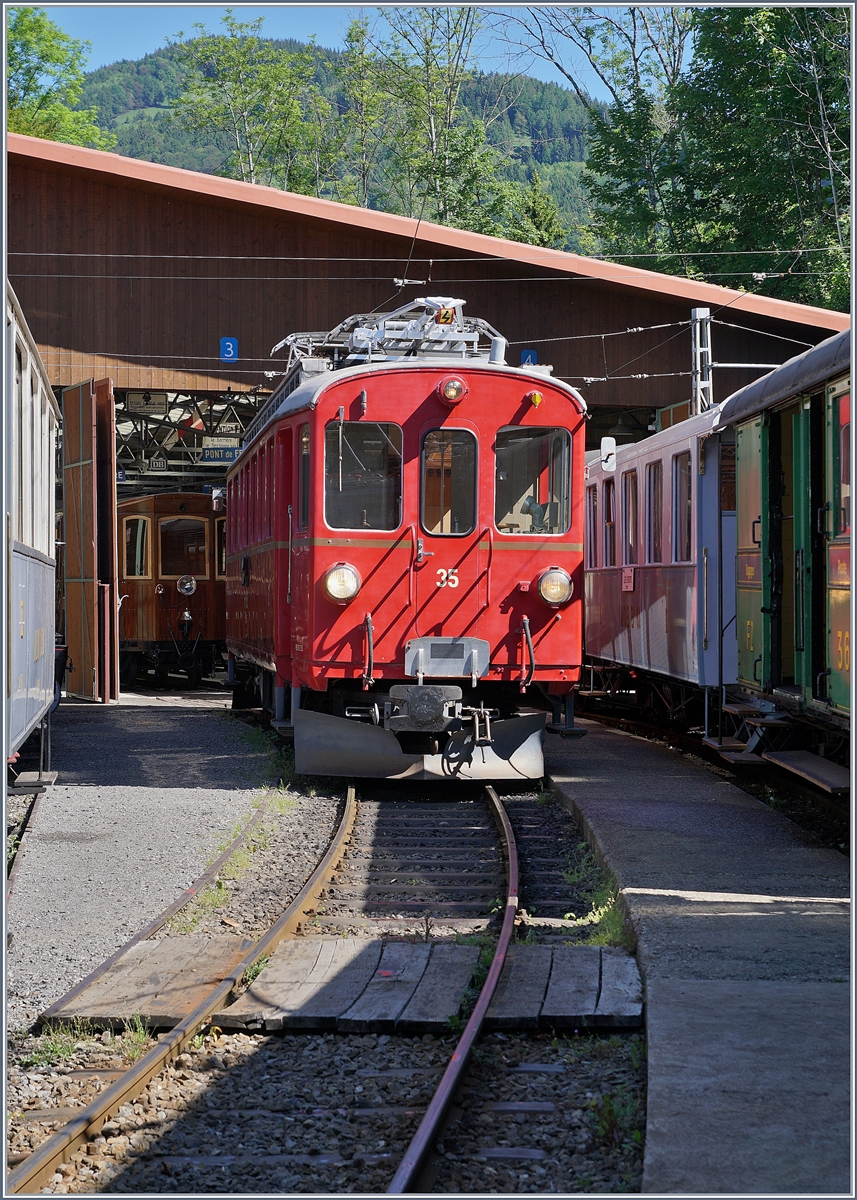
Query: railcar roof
{"x":798,"y":374}
{"x":697,"y":426}
{"x":306,"y":395}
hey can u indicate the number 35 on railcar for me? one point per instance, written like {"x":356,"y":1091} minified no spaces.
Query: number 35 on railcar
{"x":404,"y":549}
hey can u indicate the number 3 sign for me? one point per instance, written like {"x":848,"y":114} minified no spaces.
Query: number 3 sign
{"x":228,"y":349}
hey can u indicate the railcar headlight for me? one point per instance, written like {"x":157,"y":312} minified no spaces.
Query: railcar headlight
{"x":186,"y":585}
{"x":452,"y":390}
{"x":555,"y":586}
{"x":342,"y":582}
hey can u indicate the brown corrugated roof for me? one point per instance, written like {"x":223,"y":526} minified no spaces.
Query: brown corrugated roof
{"x":213,"y":187}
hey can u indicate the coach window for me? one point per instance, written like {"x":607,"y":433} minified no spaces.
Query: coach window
{"x":842,"y":409}
{"x":630,"y":519}
{"x":362,"y":475}
{"x":609,"y":523}
{"x":682,"y":507}
{"x":592,"y":527}
{"x":137,"y":548}
{"x":654,"y":511}
{"x":220,"y":547}
{"x":303,"y":479}
{"x":449,"y":482}
{"x":183,"y":550}
{"x":532,"y":480}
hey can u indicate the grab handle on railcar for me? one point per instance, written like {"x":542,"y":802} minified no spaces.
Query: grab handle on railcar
{"x":531,"y":670}
{"x":821,"y":521}
{"x":368,"y":681}
{"x":490,"y":532}
{"x":412,"y":530}
{"x":756,"y":541}
{"x":289,"y":570}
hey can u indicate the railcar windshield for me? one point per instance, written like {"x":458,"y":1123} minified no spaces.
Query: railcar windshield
{"x":533,"y":469}
{"x":183,"y":549}
{"x":449,"y":482}
{"x":362,"y":475}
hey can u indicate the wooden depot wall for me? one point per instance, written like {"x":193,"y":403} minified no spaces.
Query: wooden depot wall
{"x":138,"y":280}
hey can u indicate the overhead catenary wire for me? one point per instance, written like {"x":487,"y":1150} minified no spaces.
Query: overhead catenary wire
{"x":392,"y":259}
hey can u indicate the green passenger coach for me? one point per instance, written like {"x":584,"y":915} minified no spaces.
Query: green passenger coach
{"x":793,"y":564}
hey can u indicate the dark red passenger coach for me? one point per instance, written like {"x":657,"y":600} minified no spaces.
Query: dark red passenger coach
{"x":404,"y":549}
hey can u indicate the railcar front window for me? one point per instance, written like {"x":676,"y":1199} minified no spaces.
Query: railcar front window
{"x":682,"y":507}
{"x":449,"y":482}
{"x":630,"y":523}
{"x":183,"y":549}
{"x":654,"y":511}
{"x":136,"y":548}
{"x":843,"y":498}
{"x":532,"y":471}
{"x":362,"y":475}
{"x":609,"y":524}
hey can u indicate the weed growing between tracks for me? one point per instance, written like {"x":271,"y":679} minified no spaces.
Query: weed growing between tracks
{"x":606,"y":911}
{"x":63,"y":1042}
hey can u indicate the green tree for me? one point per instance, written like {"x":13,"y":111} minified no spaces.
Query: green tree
{"x":438,"y":162}
{"x":260,"y":104}
{"x":767,"y":101}
{"x":44,"y":82}
{"x":534,"y":217}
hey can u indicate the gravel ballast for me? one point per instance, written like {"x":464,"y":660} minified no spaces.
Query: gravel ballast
{"x":144,"y":800}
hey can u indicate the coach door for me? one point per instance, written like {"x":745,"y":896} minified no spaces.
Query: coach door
{"x":450,"y":566}
{"x":753,"y":568}
{"x":89,"y":523}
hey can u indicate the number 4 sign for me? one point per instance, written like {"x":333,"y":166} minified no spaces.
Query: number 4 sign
{"x":228,"y":349}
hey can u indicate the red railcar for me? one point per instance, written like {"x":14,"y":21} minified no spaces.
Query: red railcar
{"x":172,"y":574}
{"x":404,"y":549}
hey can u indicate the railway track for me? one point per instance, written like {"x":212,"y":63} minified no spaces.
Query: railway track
{"x":344,"y":1112}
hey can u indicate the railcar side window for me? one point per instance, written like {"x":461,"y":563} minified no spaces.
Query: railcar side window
{"x":137,"y":548}
{"x":183,"y":550}
{"x":531,"y":480}
{"x":682,"y":507}
{"x":592,"y":527}
{"x":220,"y":547}
{"x":654,"y":511}
{"x":630,"y":521}
{"x":609,"y":523}
{"x":303,"y":479}
{"x":362,"y":475}
{"x":843,"y":475}
{"x":449,"y":482}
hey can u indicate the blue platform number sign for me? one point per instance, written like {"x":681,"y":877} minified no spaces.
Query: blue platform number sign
{"x":229,"y":349}
{"x":529,"y":357}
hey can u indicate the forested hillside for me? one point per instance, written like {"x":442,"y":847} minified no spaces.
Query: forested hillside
{"x":531,"y":124}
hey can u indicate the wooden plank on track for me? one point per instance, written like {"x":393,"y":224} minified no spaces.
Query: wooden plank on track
{"x":572,"y":993}
{"x":194,"y":978}
{"x":620,"y":1004}
{"x":290,"y":964}
{"x":340,"y":975}
{"x":440,"y":991}
{"x":156,"y":980}
{"x":521,"y":988}
{"x":390,"y":988}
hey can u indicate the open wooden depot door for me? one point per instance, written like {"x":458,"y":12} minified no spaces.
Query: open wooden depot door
{"x":89,"y":514}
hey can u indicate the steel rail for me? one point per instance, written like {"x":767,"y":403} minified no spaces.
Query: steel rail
{"x":33,"y":1174}
{"x":406,"y":1177}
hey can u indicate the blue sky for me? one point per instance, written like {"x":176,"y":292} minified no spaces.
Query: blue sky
{"x":119,"y":31}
